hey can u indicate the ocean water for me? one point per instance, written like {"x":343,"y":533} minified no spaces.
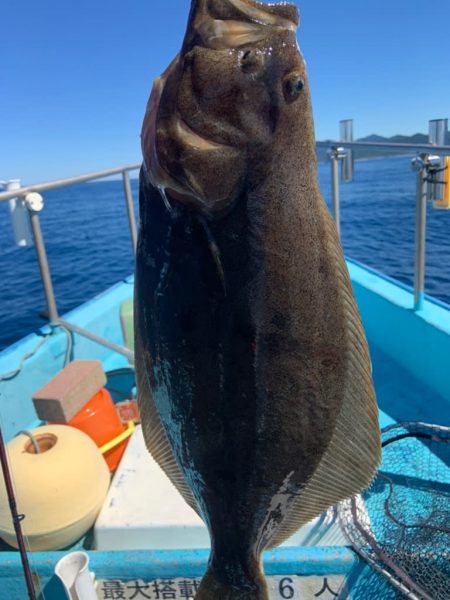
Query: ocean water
{"x":86,"y":233}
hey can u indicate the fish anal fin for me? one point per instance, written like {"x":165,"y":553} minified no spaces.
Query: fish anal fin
{"x":154,"y":434}
{"x":353,"y":454}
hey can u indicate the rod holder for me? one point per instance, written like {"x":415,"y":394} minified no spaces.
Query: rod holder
{"x":437,"y":135}
{"x":18,"y":214}
{"x":336,"y":153}
{"x":346,"y":135}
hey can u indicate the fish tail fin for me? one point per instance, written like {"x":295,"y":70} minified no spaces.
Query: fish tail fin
{"x":211,"y":588}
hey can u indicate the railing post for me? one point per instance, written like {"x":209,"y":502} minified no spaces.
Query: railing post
{"x":420,"y":165}
{"x":35,"y":204}
{"x":130,"y":209}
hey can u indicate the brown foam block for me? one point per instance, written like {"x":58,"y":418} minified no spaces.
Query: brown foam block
{"x":65,"y":395}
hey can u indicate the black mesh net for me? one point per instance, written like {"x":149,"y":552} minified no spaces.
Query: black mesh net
{"x":401,"y":524}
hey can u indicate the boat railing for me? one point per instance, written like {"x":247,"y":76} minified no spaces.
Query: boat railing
{"x":431,"y":162}
{"x":441,"y":150}
{"x":27,"y":202}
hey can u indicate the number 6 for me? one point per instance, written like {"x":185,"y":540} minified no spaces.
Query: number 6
{"x":286,"y":588}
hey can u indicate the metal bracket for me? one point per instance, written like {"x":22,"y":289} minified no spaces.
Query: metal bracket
{"x":34,"y":202}
{"x":337,"y":152}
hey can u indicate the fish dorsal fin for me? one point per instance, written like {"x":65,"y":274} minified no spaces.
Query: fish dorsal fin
{"x":154,"y":435}
{"x":350,"y":461}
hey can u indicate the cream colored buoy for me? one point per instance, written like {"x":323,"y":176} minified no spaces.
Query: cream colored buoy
{"x":59,"y":490}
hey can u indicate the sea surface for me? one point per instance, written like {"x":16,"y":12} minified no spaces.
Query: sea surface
{"x":86,"y":233}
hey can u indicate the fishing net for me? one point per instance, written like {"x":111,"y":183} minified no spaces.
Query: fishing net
{"x":401,"y":525}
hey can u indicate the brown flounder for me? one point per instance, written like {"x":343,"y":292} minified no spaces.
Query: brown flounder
{"x":253,"y":371}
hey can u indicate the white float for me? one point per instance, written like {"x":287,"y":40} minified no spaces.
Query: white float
{"x":60,"y":490}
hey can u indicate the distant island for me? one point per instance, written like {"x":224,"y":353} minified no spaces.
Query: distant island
{"x":417,"y":138}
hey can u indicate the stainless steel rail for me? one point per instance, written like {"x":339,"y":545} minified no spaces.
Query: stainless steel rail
{"x":338,"y":150}
{"x":427,"y":161}
{"x":59,"y":183}
{"x":130,"y":209}
{"x":33,"y":201}
{"x":122,"y":350}
{"x":439,"y":150}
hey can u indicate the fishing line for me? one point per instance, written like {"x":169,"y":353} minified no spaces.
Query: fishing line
{"x":12,"y":374}
{"x":34,"y":441}
{"x":17,"y":519}
{"x":67,"y":357}
{"x":165,"y":199}
{"x":215,"y":252}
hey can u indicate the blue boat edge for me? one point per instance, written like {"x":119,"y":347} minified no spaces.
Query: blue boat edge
{"x":389,"y":318}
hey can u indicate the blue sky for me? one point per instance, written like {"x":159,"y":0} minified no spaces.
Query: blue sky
{"x":75,"y":76}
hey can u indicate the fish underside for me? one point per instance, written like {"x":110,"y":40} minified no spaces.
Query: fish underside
{"x":253,"y":372}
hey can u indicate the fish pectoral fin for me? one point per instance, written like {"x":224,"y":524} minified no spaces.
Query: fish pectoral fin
{"x":154,"y":434}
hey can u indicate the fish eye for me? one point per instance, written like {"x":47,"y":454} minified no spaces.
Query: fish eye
{"x":251,"y":60}
{"x":293,"y":85}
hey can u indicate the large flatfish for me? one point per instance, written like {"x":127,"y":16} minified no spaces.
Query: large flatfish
{"x":253,"y":370}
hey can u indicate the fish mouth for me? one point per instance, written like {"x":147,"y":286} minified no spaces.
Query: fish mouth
{"x":236,"y":23}
{"x":178,"y":157}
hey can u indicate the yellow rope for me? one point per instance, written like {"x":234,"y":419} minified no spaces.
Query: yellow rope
{"x":120,"y":438}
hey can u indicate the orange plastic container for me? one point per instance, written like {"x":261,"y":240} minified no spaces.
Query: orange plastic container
{"x":99,"y":419}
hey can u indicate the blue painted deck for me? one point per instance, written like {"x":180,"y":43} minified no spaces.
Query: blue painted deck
{"x":410,"y":353}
